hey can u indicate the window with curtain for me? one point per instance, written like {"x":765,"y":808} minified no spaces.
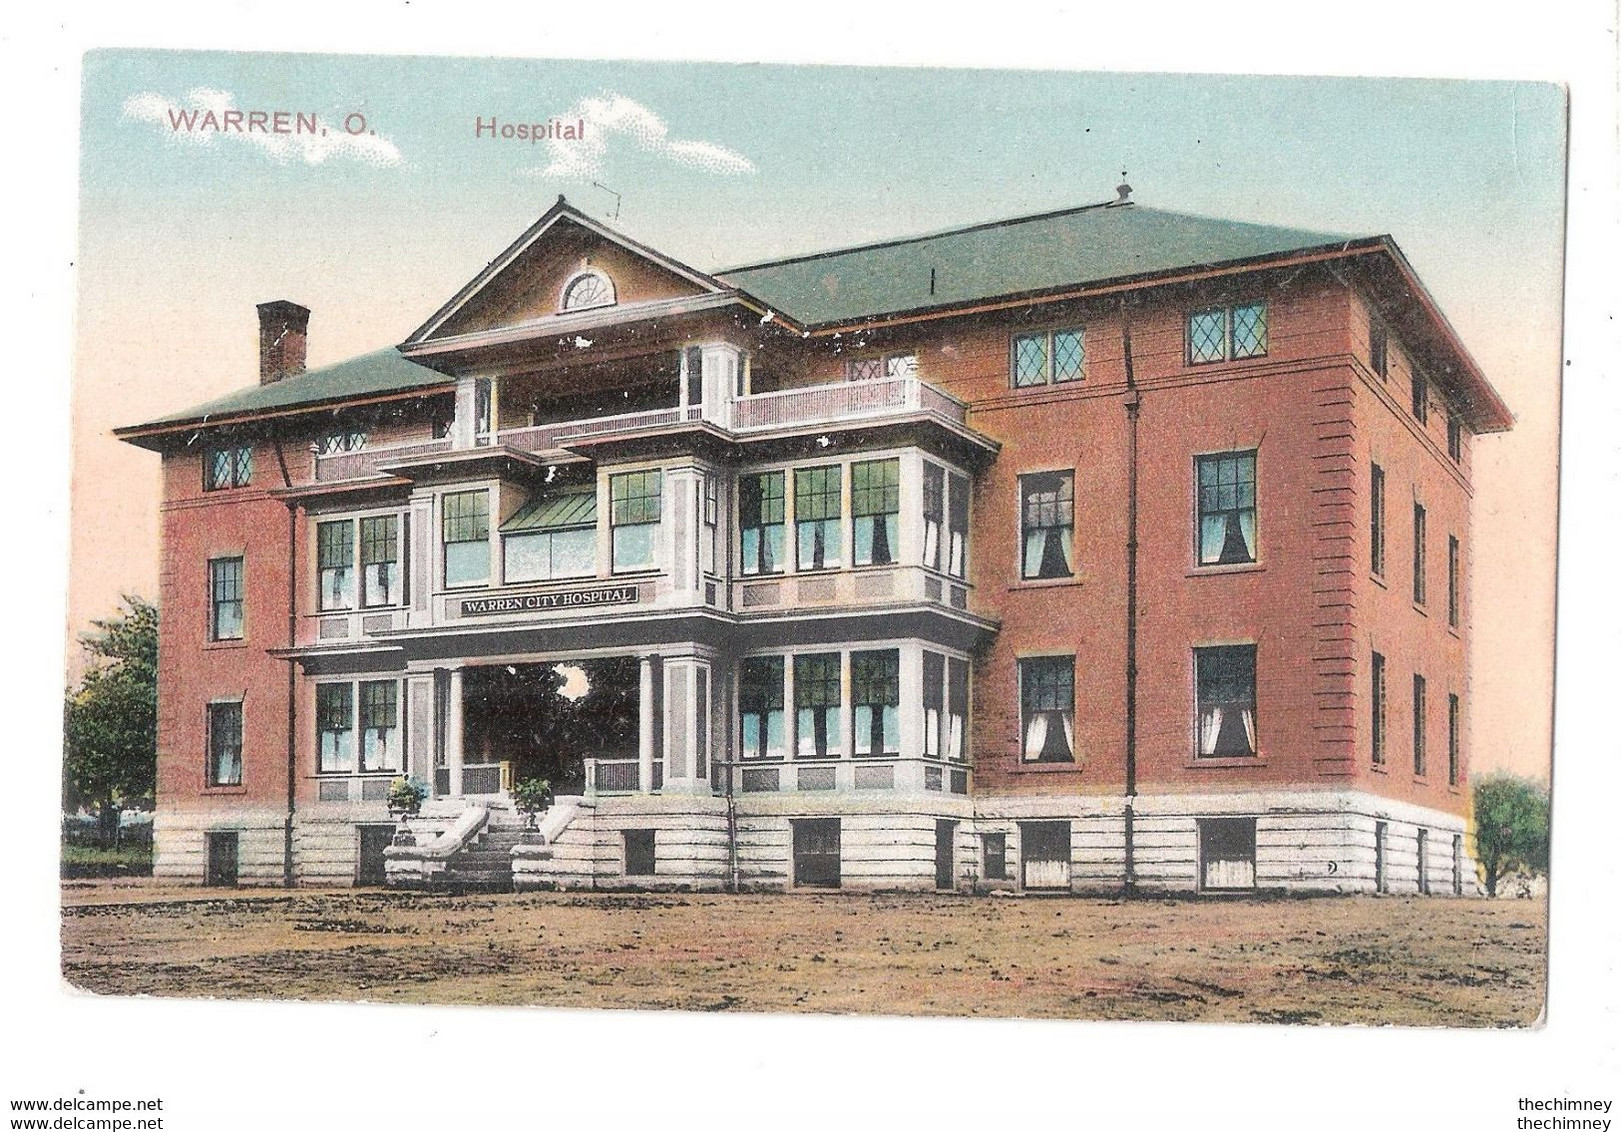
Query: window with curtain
{"x":1226,"y":508}
{"x":225,"y":744}
{"x":335,"y":563}
{"x":380,"y":746}
{"x":1047,"y":709}
{"x":761,"y":521}
{"x":466,"y":530}
{"x":1376,"y":511}
{"x":956,"y":739}
{"x":934,"y":704}
{"x":875,"y":502}
{"x":335,"y":728}
{"x":380,"y":578}
{"x":1376,"y":699}
{"x":957,"y":525}
{"x":760,"y":704}
{"x":818,"y":697}
{"x":225,"y":599}
{"x":818,"y":516}
{"x":875,"y":696}
{"x":1225,"y":678}
{"x":1048,"y":517}
{"x":637,"y":507}
{"x":934,"y":513}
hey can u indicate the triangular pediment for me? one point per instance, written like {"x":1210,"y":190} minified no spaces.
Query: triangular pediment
{"x":563,"y":254}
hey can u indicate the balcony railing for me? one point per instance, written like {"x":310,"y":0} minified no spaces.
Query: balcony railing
{"x":758,"y":412}
{"x":843,"y":401}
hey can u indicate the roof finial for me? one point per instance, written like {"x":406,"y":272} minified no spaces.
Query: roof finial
{"x":1124,"y":190}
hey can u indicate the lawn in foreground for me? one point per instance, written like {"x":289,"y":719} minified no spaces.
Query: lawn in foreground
{"x":1364,"y":960}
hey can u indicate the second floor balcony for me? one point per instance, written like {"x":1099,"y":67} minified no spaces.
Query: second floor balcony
{"x":741,"y":418}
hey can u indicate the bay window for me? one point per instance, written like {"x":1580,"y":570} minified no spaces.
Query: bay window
{"x":1225,"y":679}
{"x":552,"y":536}
{"x":934,"y":703}
{"x":1047,"y":708}
{"x":818,"y":696}
{"x":466,"y":531}
{"x":760,"y":704}
{"x":762,"y":517}
{"x":875,"y":693}
{"x":369,"y":707}
{"x":945,"y":706}
{"x":818,"y":516}
{"x":957,"y":529}
{"x":1048,"y":524}
{"x":1226,"y":508}
{"x":637,"y":507}
{"x":956,"y":738}
{"x":335,"y":563}
{"x":934,"y":513}
{"x":875,"y":501}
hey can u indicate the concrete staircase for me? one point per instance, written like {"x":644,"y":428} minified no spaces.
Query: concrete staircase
{"x":483,"y":864}
{"x":460,"y":846}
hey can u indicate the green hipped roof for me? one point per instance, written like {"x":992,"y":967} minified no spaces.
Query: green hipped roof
{"x":1073,"y":247}
{"x":383,"y":371}
{"x":550,"y":512}
{"x":1013,"y":257}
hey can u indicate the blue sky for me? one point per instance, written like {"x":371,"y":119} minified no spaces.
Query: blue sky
{"x":725,"y":164}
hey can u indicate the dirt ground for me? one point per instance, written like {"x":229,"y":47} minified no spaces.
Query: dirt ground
{"x":1358,"y":960}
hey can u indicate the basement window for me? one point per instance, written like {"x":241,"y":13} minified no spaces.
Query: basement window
{"x":641,"y":853}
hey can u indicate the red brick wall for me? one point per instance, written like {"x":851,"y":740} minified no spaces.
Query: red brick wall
{"x":193,"y":670}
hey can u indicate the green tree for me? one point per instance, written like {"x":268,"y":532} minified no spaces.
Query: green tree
{"x":1511,"y":827}
{"x":110,"y":721}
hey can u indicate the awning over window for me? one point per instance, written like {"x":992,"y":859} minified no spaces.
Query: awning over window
{"x":552,"y":512}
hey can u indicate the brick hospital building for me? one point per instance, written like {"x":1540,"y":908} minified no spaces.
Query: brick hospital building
{"x":1100,"y":547}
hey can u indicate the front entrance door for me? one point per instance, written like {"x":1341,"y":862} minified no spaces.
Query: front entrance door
{"x":816,"y":852}
{"x":945,"y":838}
{"x":1044,"y":849}
{"x":222,"y":860}
{"x":373,"y":840}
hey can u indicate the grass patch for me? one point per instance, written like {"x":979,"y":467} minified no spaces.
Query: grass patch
{"x":95,"y":861}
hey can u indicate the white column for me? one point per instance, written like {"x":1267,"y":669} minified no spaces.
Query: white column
{"x":645,"y":726}
{"x":453,"y":732}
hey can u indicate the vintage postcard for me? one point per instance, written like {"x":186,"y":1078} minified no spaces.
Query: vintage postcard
{"x":1021,"y":544}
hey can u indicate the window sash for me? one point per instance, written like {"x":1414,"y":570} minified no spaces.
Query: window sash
{"x":380,"y":726}
{"x":1420,"y":581}
{"x":540,"y":556}
{"x":637,"y":498}
{"x":957,"y":525}
{"x":1454,"y":581}
{"x":1377,"y":700}
{"x":225,"y":744}
{"x":1377,"y":521}
{"x":1454,"y":738}
{"x":466,"y":516}
{"x":1420,"y":751}
{"x":227,"y":468}
{"x":225,"y":582}
{"x":762,"y":511}
{"x":335,"y":723}
{"x":1224,"y":678}
{"x":819,"y":517}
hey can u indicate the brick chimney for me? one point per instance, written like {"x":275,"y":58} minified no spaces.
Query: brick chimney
{"x":283,"y":334}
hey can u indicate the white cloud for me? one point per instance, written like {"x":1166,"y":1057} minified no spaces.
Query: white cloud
{"x":613,"y":116}
{"x":201,"y":120}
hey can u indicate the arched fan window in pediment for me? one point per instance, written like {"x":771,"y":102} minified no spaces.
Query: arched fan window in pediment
{"x":588,"y":289}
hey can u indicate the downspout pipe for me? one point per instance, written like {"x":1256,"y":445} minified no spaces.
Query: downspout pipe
{"x":292,"y":677}
{"x":1133,"y":403}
